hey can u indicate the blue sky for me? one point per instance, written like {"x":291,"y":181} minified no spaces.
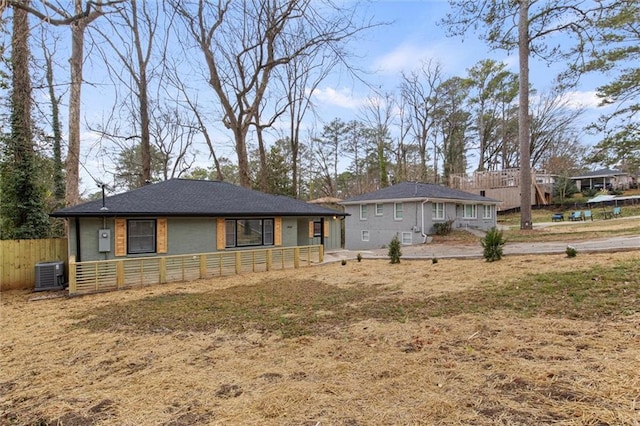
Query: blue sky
{"x":411,"y":36}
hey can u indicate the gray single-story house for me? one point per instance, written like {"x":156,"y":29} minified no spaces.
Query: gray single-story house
{"x":182,"y":216}
{"x":603,"y":179}
{"x":409,"y":210}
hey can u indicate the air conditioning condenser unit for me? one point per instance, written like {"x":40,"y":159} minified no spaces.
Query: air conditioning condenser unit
{"x":49,"y":276}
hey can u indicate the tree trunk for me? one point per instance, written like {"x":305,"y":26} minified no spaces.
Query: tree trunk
{"x":523,"y":117}
{"x":58,"y":170}
{"x":72,"y":163}
{"x":143,"y":98}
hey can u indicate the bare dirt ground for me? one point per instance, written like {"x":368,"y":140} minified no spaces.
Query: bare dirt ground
{"x":468,"y":368}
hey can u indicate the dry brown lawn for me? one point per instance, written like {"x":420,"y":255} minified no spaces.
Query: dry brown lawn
{"x":414,"y":343}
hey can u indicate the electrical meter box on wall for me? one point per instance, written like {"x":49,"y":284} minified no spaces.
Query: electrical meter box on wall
{"x":104,"y":240}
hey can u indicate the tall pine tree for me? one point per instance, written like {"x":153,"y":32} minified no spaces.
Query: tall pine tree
{"x":22,"y":206}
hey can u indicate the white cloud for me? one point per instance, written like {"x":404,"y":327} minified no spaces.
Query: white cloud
{"x":343,"y":98}
{"x":585,"y":99}
{"x":454,"y":57}
{"x":405,"y":57}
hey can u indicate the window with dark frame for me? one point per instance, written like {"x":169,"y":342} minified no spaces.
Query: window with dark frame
{"x":249,"y":232}
{"x":141,"y":236}
{"x":317,"y":228}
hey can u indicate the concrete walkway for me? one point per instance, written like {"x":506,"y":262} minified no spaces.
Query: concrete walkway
{"x":443,"y":251}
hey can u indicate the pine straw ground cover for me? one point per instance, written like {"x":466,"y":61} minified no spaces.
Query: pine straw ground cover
{"x":527,"y":340}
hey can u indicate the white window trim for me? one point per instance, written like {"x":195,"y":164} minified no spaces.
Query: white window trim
{"x":474,"y":208}
{"x":364,"y":235}
{"x":381,"y":209}
{"x":395,"y":211}
{"x":487,"y":208}
{"x":363,"y":212}
{"x":410,"y":234}
{"x":435,"y":216}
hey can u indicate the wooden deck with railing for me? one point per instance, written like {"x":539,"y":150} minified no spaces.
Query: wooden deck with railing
{"x":108,"y":275}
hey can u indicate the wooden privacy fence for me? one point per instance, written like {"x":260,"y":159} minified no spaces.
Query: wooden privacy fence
{"x":18,"y":259}
{"x":108,"y":275}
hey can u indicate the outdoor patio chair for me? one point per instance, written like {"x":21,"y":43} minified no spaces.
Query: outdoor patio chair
{"x":616,"y":212}
{"x":587,"y":215}
{"x":557,"y":217}
{"x":577,"y":215}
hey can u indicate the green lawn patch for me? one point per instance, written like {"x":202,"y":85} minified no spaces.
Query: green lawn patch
{"x":296,"y":307}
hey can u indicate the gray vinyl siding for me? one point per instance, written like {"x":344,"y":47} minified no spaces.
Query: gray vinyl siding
{"x":382,"y":228}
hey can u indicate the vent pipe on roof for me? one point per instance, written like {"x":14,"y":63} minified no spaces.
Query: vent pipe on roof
{"x":104,"y":207}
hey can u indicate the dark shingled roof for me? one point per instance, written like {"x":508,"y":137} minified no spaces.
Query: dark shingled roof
{"x":599,"y":173}
{"x":420,"y":191}
{"x":184,"y":197}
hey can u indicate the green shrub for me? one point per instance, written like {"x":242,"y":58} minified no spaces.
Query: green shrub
{"x":394,"y":250}
{"x":359,"y":257}
{"x":344,"y":262}
{"x":492,"y":244}
{"x":442,"y":228}
{"x":434,"y":260}
{"x":571,"y":251}
{"x":589,"y":192}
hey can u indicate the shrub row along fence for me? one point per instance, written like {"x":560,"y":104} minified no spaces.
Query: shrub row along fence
{"x":108,"y":275}
{"x":18,"y":260}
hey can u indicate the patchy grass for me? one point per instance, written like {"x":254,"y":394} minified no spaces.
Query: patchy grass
{"x":544,"y":215}
{"x":578,"y":231}
{"x":288,"y":307}
{"x":293,"y":308}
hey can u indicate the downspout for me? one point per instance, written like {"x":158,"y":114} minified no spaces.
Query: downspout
{"x":424,"y":234}
{"x":78,"y":251}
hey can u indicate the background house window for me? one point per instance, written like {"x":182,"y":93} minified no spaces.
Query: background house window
{"x":379,"y":209}
{"x":397,"y":211}
{"x":407,"y":238}
{"x":438,"y":211}
{"x":469,"y":211}
{"x":249,"y":232}
{"x":365,"y":235}
{"x":363,"y":212}
{"x":487,"y":212}
{"x":141,"y":236}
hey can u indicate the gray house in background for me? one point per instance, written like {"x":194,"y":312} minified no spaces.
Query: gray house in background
{"x":181,"y":216}
{"x":409,"y":210}
{"x":603,"y":179}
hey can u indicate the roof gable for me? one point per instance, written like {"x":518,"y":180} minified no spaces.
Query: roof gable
{"x":186,"y":197}
{"x":418,"y":191}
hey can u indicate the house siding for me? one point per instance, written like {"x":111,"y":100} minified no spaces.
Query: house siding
{"x":383,"y":228}
{"x":186,"y":235}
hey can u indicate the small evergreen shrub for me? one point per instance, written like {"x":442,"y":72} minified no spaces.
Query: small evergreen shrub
{"x":442,"y":228}
{"x":394,"y":250}
{"x":492,"y":244}
{"x":344,"y":262}
{"x":571,"y":251}
{"x":434,"y":260}
{"x":359,"y":257}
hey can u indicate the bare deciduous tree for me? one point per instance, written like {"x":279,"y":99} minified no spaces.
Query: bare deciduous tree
{"x":242,"y":43}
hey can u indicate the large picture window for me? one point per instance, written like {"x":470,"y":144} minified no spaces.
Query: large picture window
{"x":141,"y":236}
{"x":248,"y":232}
